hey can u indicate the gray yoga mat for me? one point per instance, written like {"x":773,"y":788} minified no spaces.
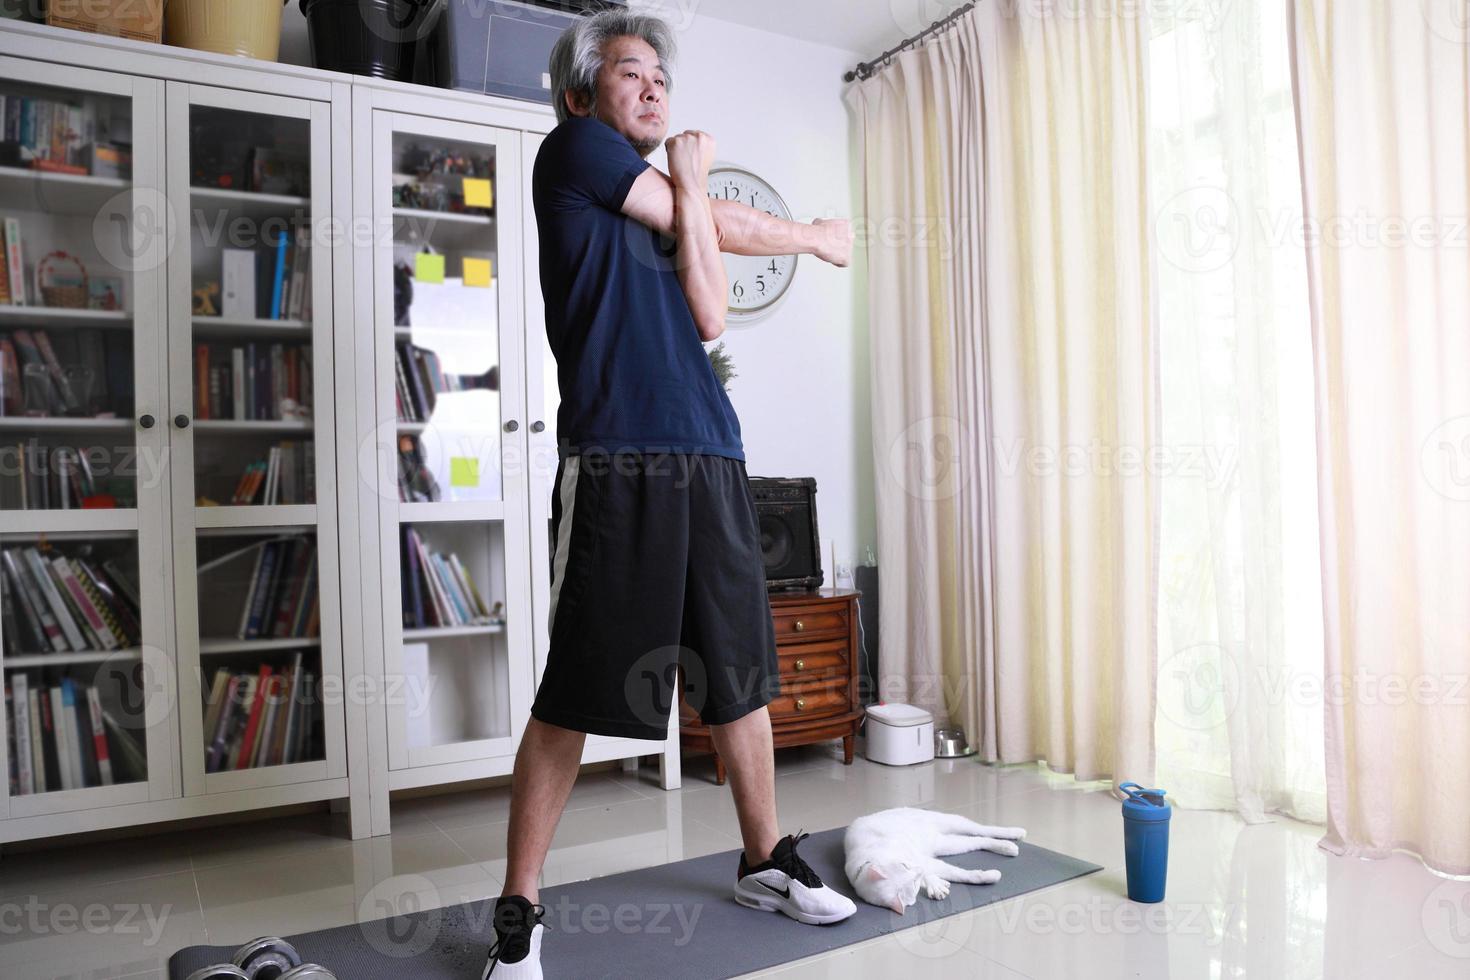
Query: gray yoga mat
{"x":639,"y":923}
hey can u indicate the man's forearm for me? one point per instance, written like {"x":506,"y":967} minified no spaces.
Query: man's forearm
{"x":743,"y":230}
{"x":701,"y":270}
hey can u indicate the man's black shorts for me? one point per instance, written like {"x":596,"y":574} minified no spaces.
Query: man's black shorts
{"x":656,"y":562}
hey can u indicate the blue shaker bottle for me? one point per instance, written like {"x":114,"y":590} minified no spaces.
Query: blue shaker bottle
{"x":1145,"y":842}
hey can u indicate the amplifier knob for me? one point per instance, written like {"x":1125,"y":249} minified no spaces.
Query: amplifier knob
{"x":800,"y":704}
{"x":801,"y":665}
{"x":799,"y":626}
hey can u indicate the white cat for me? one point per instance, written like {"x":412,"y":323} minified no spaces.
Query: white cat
{"x":891,"y":853}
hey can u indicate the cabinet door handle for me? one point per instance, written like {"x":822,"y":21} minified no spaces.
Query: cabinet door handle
{"x":799,"y":626}
{"x":538,"y":426}
{"x":146,"y":421}
{"x":801,"y":665}
{"x":182,"y":421}
{"x":800,"y":703}
{"x":512,"y":425}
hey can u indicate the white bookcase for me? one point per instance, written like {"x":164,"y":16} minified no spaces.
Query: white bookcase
{"x":225,"y":153}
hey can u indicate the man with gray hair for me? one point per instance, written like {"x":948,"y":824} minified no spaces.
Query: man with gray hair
{"x":656,"y":560}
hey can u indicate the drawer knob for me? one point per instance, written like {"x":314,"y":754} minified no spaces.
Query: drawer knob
{"x":801,"y":665}
{"x":799,"y":626}
{"x":800,"y":703}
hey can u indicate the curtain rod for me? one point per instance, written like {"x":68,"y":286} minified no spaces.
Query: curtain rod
{"x":867,"y":68}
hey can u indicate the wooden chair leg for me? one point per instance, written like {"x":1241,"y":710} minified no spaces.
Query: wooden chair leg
{"x":719,"y":770}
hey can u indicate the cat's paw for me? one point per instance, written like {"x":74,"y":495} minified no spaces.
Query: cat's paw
{"x":1005,"y":847}
{"x":935,"y":886}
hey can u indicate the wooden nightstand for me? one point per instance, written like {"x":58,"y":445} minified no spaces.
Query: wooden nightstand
{"x":816,"y":639}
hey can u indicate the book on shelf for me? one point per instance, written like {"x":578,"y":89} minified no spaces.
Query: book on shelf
{"x":285,"y":476}
{"x":269,"y":283}
{"x":15,"y":269}
{"x":108,"y":392}
{"x":262,"y":717}
{"x":50,"y":133}
{"x":253,"y":381}
{"x":281,"y":600}
{"x":416,"y":481}
{"x":420,"y":378}
{"x":64,"y":603}
{"x":437,"y":588}
{"x":60,"y":736}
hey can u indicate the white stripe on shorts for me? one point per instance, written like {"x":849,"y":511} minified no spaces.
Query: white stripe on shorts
{"x":568,"y":491}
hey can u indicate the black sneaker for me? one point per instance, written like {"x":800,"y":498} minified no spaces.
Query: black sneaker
{"x":786,"y":883}
{"x":516,"y":954}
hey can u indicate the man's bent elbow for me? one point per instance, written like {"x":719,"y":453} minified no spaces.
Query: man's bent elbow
{"x":710,"y":326}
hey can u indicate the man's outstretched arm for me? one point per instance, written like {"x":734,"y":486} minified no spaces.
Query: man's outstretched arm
{"x":741,"y":229}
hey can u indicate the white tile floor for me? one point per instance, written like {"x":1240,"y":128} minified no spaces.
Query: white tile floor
{"x":1258,"y":902}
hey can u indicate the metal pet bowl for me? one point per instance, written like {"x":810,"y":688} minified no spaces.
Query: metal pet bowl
{"x":949,"y":743}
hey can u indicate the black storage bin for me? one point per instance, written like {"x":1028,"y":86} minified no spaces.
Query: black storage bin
{"x":503,"y":47}
{"x":368,"y":37}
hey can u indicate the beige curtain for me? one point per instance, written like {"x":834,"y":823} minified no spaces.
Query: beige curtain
{"x":1013,"y":384}
{"x":1384,"y":123}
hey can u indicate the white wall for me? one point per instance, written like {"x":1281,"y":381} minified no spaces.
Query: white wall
{"x":774,"y":104}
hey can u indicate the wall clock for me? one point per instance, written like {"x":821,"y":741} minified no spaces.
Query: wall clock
{"x":756,"y":282}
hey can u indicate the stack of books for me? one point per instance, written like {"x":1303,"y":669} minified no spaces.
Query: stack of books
{"x":272,"y":283}
{"x":61,"y":737}
{"x":286,"y":476}
{"x":420,"y":378}
{"x":106,"y":391}
{"x":56,"y":603}
{"x":437,"y":589}
{"x":54,"y":135}
{"x":253,"y":381}
{"x":282,"y":600}
{"x":268,"y":716}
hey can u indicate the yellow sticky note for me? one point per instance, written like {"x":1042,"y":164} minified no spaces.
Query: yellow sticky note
{"x":477,"y":193}
{"x":464,"y":471}
{"x":476,"y":272}
{"x":428,"y":267}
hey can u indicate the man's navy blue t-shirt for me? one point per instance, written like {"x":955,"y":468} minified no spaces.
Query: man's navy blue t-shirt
{"x":633,"y":373}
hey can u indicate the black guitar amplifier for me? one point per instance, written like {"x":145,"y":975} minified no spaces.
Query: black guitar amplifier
{"x":787,"y":510}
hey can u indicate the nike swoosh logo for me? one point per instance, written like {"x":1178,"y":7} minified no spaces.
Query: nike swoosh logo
{"x":783,"y":892}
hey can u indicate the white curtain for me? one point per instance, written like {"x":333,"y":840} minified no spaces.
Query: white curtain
{"x":1241,"y":659}
{"x":1013,"y":380}
{"x":1383,"y":101}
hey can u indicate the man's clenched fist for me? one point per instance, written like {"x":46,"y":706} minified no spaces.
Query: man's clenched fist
{"x":691,"y":154}
{"x":834,"y":242}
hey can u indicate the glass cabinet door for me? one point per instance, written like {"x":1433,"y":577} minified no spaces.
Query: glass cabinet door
{"x":250,"y":330}
{"x":86,"y":650}
{"x":450,"y":479}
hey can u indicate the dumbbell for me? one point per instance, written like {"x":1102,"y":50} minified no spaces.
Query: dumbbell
{"x":220,"y":971}
{"x":266,"y":958}
{"x":228,"y":971}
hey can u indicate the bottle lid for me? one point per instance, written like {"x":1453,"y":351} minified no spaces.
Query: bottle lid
{"x":1144,"y":804}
